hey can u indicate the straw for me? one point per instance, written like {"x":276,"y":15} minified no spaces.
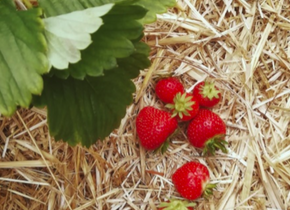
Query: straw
{"x":244,"y":46}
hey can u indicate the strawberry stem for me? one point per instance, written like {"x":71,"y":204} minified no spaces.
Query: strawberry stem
{"x":209,"y":91}
{"x":163,"y":148}
{"x":208,"y":191}
{"x":176,"y":205}
{"x":181,"y":105}
{"x":215,"y":143}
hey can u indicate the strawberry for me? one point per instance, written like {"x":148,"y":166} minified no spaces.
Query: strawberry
{"x":153,"y":127}
{"x":207,"y":94}
{"x":167,"y":88}
{"x":207,"y":130}
{"x":176,"y":205}
{"x":185,"y":106}
{"x":192,"y":181}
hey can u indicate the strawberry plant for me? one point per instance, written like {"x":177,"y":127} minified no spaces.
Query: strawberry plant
{"x":166,"y":89}
{"x":153,"y":127}
{"x":76,"y":58}
{"x":191,"y":180}
{"x":207,"y":130}
{"x":207,"y":94}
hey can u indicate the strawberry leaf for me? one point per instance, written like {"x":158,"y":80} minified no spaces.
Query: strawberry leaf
{"x":68,"y":33}
{"x":53,"y":8}
{"x":155,"y":7}
{"x":112,"y":41}
{"x":22,"y":56}
{"x":83,"y":111}
{"x":86,"y":110}
{"x":91,"y":102}
{"x":59,"y":7}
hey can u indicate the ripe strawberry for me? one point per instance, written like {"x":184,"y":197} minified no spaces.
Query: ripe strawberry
{"x":153,"y":127}
{"x":192,"y":181}
{"x":176,"y":205}
{"x":207,"y":130}
{"x":207,"y":94}
{"x":167,"y":88}
{"x":185,"y":106}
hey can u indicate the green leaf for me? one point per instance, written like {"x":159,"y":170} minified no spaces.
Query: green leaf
{"x":59,"y":7}
{"x":22,"y":56}
{"x":68,"y":33}
{"x":53,"y":8}
{"x":112,"y":41}
{"x":83,"y":111}
{"x":155,"y":7}
{"x":87,"y":110}
{"x":137,"y":61}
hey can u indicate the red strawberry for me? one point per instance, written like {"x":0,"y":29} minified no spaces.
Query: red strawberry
{"x":207,"y":94}
{"x":153,"y":127}
{"x":176,"y":205}
{"x":167,"y":88}
{"x":192,"y":181}
{"x":207,"y":130}
{"x":185,"y":106}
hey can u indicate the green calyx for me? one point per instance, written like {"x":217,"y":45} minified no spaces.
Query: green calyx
{"x":176,"y":205}
{"x":208,"y":191}
{"x":215,"y":143}
{"x":163,"y":148}
{"x":181,"y":105}
{"x":209,"y":91}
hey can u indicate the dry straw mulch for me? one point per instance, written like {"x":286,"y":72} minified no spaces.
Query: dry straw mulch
{"x":245,"y":47}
